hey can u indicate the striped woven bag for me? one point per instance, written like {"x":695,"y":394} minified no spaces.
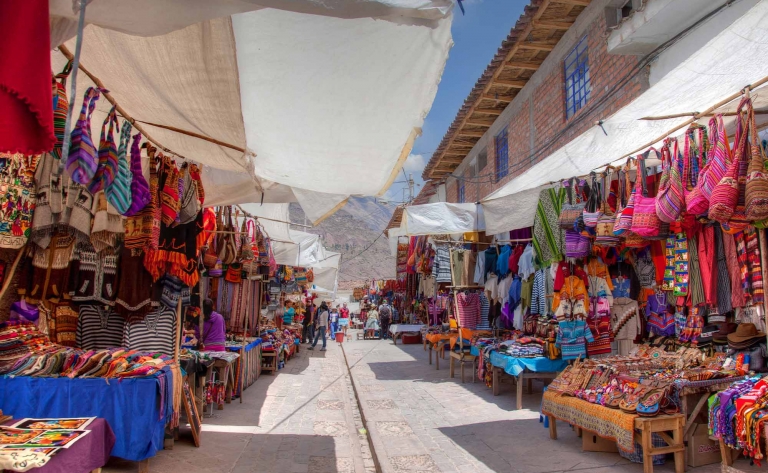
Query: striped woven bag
{"x":624,"y":216}
{"x":119,"y":191}
{"x":725,"y":196}
{"x":105,"y":172}
{"x":756,"y":190}
{"x":669,"y":200}
{"x":81,"y":161}
{"x":695,"y":150}
{"x":645,"y":222}
{"x":140,"y":195}
{"x":60,"y":108}
{"x":593,"y":210}
{"x":607,"y":221}
{"x":719,"y":158}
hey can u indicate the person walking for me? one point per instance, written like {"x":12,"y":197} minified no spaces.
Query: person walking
{"x":385,"y":317}
{"x":372,"y":323}
{"x":323,"y":314}
{"x":334,"y":321}
{"x":344,"y":319}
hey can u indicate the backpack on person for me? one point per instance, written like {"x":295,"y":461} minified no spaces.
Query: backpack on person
{"x":385,"y":312}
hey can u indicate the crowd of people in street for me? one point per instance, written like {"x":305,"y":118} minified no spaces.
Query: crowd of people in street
{"x":333,"y":321}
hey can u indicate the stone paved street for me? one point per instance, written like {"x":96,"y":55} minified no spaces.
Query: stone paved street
{"x":305,"y":419}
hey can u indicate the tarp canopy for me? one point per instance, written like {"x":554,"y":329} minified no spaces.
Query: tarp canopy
{"x":442,"y":218}
{"x":716,"y":70}
{"x":325,"y":98}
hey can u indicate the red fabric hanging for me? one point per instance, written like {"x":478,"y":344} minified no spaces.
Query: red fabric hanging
{"x":26,"y":99}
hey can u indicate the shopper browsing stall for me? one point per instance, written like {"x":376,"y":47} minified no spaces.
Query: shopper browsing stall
{"x":214,"y":329}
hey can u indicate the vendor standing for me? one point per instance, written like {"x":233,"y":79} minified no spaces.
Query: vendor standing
{"x":288,"y":313}
{"x":214,"y":329}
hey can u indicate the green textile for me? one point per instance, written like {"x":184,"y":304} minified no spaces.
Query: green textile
{"x":548,"y":238}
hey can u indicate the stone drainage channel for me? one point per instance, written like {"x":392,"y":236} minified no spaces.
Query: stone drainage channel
{"x":370,"y":459}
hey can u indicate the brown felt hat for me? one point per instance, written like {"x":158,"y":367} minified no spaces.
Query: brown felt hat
{"x":726,"y":329}
{"x":745,"y":333}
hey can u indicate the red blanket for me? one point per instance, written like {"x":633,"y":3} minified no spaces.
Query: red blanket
{"x":26,"y":104}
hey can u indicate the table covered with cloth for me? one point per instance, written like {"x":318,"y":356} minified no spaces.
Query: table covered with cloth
{"x":514,"y":366}
{"x":250,"y":346}
{"x":89,"y":453}
{"x":435,"y":338}
{"x":136,"y":409}
{"x":394,"y":329}
{"x":609,"y":423}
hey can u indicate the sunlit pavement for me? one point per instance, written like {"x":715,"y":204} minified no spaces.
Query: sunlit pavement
{"x":305,"y":419}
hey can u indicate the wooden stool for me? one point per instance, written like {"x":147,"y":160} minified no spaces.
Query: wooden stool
{"x":648,"y":426}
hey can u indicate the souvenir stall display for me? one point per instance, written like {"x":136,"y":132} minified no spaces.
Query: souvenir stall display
{"x":114,"y":245}
{"x":675,"y":260}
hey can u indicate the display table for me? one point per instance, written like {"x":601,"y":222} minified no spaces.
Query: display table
{"x":131,"y":406}
{"x":522,"y":370}
{"x":397,"y":330}
{"x":87,"y":454}
{"x":617,"y":425}
{"x":434,"y":342}
{"x":249,"y":372}
{"x":223,"y":363}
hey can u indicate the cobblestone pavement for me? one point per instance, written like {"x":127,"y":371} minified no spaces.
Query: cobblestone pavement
{"x":421,"y":420}
{"x":302,"y":420}
{"x":305,"y":420}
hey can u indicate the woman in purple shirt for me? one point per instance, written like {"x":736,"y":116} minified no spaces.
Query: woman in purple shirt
{"x":214,"y":329}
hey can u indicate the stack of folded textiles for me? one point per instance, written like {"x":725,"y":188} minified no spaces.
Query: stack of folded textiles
{"x":523,"y":347}
{"x":24,"y":351}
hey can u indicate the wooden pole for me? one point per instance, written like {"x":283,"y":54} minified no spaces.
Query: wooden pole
{"x":179,"y":323}
{"x":66,"y":52}
{"x":9,"y":276}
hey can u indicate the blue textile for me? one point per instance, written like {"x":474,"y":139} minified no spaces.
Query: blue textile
{"x":514,"y":366}
{"x":502,"y":264}
{"x":130,"y":406}
{"x":248,"y":347}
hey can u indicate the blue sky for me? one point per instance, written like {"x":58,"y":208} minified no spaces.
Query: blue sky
{"x":476,"y":36}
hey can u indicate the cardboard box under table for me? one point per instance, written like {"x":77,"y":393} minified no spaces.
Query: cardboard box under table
{"x":616,"y":425}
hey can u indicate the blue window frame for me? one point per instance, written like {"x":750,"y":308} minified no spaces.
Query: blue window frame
{"x":461,"y":192}
{"x":577,"y":86}
{"x":502,"y":154}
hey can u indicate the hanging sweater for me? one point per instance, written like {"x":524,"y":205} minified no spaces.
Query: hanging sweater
{"x":572,"y":336}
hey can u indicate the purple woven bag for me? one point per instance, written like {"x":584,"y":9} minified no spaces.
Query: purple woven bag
{"x":81,"y":161}
{"x":140,"y":195}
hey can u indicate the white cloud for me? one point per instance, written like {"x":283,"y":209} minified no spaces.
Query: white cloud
{"x":415,"y":163}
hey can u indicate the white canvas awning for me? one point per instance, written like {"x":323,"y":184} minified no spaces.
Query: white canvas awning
{"x":326,"y":100}
{"x":717,"y":69}
{"x":442,"y":218}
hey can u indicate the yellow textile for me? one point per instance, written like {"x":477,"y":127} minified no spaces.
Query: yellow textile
{"x":613,"y":424}
{"x":595,"y":267}
{"x":435,"y":338}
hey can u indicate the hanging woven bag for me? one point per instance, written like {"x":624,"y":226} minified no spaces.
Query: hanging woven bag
{"x":593,"y":210}
{"x":572,"y":210}
{"x":81,"y":161}
{"x":695,"y":149}
{"x":756,"y":190}
{"x":725,"y":196}
{"x":119,"y":191}
{"x":645,"y":222}
{"x":607,"y":221}
{"x":140,"y":194}
{"x":718,"y":160}
{"x":60,"y":108}
{"x":669,"y":200}
{"x":624,"y":217}
{"x":107,"y":155}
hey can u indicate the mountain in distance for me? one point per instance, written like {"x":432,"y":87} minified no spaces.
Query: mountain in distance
{"x":351,"y":230}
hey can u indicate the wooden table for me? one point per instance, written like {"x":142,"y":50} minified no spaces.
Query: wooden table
{"x":662,"y":426}
{"x":519,"y":381}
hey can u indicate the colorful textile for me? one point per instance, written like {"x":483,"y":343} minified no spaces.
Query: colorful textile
{"x":572,"y":336}
{"x":468,"y":307}
{"x":539,"y":293}
{"x":26,"y":124}
{"x":17,"y":200}
{"x":442,"y":264}
{"x":681,"y":266}
{"x":609,"y":423}
{"x":548,"y":237}
{"x":707,"y":259}
{"x":754,"y":265}
{"x":599,"y":322}
{"x":728,"y":271}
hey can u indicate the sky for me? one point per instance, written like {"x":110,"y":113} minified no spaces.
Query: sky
{"x":477,"y":36}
